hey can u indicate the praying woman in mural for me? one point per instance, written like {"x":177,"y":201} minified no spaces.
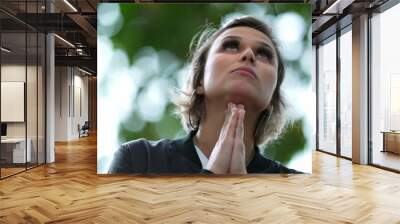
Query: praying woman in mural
{"x":231,"y":104}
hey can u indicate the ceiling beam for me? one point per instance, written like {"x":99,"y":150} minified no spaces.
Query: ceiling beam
{"x":86,"y":26}
{"x":82,"y":61}
{"x":337,"y":6}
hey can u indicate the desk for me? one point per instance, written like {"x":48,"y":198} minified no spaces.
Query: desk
{"x":391,"y":141}
{"x":15,"y":148}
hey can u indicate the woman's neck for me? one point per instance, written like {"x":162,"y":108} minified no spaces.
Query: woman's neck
{"x":210,"y":127}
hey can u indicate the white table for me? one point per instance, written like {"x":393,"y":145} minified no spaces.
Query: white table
{"x":18,"y":145}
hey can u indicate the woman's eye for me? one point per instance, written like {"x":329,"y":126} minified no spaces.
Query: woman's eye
{"x":231,"y":45}
{"x":264,"y":53}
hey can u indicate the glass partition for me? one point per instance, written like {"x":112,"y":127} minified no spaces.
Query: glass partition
{"x":346,"y":94}
{"x":14,"y":153}
{"x":22,"y":91}
{"x":327,"y":96}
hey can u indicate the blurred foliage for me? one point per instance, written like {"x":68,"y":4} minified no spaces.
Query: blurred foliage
{"x":169,"y":127}
{"x":170,"y":27}
{"x":289,"y":143}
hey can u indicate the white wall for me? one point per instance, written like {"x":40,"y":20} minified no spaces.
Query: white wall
{"x":62,"y":81}
{"x":80,"y":102}
{"x":71,"y":93}
{"x":16,"y":73}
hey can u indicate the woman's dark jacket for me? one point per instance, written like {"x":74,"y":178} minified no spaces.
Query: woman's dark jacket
{"x":177,"y":156}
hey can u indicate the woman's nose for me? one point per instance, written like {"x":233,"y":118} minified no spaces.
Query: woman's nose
{"x":248,"y":55}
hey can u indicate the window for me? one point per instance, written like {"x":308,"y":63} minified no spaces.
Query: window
{"x":327,"y":97}
{"x":346,"y":94}
{"x":385,"y":89}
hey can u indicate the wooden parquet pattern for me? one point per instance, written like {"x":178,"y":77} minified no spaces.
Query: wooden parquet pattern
{"x":70,"y":191}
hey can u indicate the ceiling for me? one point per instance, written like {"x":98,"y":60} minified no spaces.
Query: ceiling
{"x":328,"y":16}
{"x":76,"y":20}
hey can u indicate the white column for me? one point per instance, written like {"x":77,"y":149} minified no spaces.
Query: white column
{"x":360,"y":90}
{"x":50,"y":92}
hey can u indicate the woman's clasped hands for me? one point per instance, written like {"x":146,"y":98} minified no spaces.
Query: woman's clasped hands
{"x":228,"y":155}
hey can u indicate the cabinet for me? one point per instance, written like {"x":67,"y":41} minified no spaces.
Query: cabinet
{"x":391,"y":141}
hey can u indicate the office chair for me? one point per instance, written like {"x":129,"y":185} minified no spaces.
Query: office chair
{"x":84,"y":130}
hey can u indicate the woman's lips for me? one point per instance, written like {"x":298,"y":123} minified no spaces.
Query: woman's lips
{"x":245,"y":71}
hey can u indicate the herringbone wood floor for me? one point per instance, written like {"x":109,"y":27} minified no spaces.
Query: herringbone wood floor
{"x":70,"y":191}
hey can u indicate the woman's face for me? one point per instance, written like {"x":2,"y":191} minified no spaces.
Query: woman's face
{"x":241,"y":67}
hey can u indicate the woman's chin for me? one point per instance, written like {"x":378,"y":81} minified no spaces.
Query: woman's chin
{"x":238,"y":92}
{"x":237,"y":96}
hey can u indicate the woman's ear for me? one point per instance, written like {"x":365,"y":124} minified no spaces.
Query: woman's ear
{"x":270,"y":110}
{"x":200,"y":88}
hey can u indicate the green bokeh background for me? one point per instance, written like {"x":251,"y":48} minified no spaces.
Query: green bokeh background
{"x":170,"y":28}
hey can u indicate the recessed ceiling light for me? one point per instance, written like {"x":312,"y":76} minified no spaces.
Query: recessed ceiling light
{"x":64,"y":40}
{"x":70,"y":5}
{"x":5,"y":50}
{"x":337,"y":7}
{"x":84,"y":71}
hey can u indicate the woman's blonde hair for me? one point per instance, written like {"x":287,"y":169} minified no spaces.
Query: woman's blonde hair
{"x":191,"y":106}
